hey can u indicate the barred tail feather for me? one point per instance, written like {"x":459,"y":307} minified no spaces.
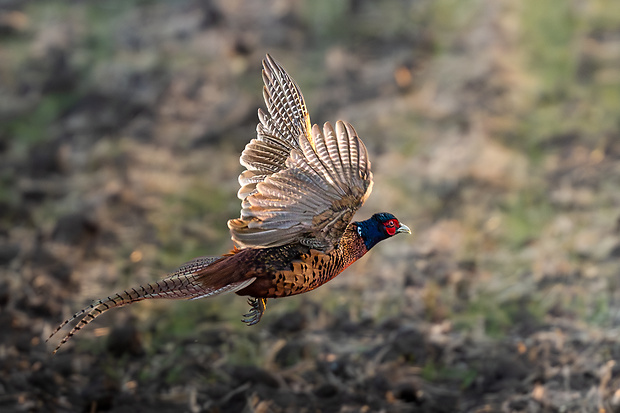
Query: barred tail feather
{"x":186,"y":282}
{"x":99,"y":307}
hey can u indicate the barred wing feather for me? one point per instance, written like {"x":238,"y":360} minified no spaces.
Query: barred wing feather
{"x":300,"y":184}
{"x":311,"y":200}
{"x":276,"y":133}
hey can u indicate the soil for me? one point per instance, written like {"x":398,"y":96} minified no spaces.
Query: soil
{"x":121,"y":131}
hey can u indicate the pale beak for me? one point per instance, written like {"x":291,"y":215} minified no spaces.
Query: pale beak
{"x":402,"y":229}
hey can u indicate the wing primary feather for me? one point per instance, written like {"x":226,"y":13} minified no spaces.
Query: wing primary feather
{"x":283,"y":98}
{"x":336,"y":156}
{"x":322,"y":152}
{"x":293,"y":96}
{"x":312,"y":157}
{"x":344,"y":148}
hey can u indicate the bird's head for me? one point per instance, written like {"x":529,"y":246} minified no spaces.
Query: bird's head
{"x":380,"y":226}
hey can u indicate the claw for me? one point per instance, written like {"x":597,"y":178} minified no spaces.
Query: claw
{"x":258,"y":307}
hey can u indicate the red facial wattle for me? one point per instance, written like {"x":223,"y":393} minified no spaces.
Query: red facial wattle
{"x":391,"y":226}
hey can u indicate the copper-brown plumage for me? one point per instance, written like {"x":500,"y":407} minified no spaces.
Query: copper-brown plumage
{"x":301,"y":187}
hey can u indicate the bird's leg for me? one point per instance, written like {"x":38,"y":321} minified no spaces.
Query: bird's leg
{"x":259,"y":305}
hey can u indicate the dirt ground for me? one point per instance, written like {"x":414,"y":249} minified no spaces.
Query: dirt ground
{"x":493,"y":130}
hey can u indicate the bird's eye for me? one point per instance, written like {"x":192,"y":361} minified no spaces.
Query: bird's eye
{"x":390,"y":227}
{"x":359,"y":231}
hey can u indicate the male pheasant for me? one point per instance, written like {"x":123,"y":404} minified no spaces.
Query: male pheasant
{"x":299,"y":192}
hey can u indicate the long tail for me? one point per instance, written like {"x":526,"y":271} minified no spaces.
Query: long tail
{"x":185,"y":282}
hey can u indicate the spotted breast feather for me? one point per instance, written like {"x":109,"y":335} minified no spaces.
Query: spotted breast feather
{"x":301,"y":186}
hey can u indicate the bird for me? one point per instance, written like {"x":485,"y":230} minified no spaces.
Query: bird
{"x":301,"y":186}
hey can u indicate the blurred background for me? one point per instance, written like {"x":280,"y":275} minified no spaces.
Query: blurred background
{"x":493,"y":130}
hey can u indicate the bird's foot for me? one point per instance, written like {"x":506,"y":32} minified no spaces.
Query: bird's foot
{"x":259,"y":305}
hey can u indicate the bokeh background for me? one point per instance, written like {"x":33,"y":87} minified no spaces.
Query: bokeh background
{"x":493,"y":130}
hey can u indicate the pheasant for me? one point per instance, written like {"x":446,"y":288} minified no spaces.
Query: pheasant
{"x":299,"y":191}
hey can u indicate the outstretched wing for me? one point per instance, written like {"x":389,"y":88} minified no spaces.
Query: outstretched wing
{"x":300,"y":185}
{"x":277,"y":133}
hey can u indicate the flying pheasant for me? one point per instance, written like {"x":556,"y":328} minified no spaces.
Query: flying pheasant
{"x":301,"y":187}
